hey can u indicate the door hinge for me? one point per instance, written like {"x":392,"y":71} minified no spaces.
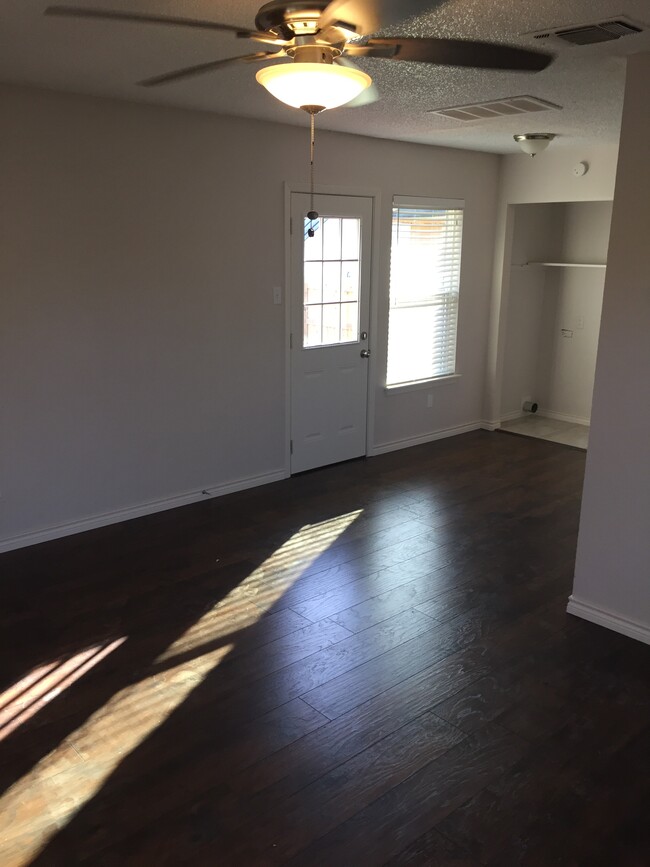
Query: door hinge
{"x":291,"y":341}
{"x":290,"y":447}
{"x":291,"y":225}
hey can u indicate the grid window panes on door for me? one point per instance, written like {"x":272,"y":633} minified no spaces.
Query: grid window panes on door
{"x":331,"y":281}
{"x":424,"y":283}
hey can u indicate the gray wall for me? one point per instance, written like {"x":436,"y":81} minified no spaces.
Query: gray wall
{"x":142,"y":357}
{"x":612,"y":580}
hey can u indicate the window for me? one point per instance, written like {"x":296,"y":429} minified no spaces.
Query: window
{"x":331,"y":281}
{"x":424,"y":282}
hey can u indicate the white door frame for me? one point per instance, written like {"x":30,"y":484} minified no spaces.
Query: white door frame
{"x":323,"y":189}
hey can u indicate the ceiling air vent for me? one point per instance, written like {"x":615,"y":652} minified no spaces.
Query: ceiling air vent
{"x":590,"y":34}
{"x":495,"y":108}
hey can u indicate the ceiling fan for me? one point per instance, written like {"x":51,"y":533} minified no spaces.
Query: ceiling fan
{"x":320,"y":37}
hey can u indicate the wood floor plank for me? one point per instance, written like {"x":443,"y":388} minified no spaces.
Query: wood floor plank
{"x":557,"y":774}
{"x":340,"y":793}
{"x":444,"y":564}
{"x":317,"y":753}
{"x":432,"y":850}
{"x":483,"y":629}
{"x":303,"y":594}
{"x":262,"y":661}
{"x":413,"y":594}
{"x":384,"y":828}
{"x":347,"y":690}
{"x":349,"y":653}
{"x":163,"y":781}
{"x":297,"y":678}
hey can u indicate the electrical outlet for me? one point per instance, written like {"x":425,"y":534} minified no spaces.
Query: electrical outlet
{"x":277,"y":294}
{"x":580,"y":323}
{"x":430,"y":400}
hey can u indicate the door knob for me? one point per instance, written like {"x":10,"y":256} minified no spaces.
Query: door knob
{"x":365,"y":353}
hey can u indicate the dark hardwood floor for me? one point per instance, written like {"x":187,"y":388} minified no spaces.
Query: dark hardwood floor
{"x":368,"y":664}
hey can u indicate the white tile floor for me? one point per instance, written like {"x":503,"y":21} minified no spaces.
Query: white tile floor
{"x":549,"y":429}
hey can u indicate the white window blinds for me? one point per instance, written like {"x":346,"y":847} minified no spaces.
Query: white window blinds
{"x":424,"y":282}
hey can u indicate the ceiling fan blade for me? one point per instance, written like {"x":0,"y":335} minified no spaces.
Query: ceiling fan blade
{"x":453,"y":52}
{"x":141,"y":18}
{"x":367,"y":96}
{"x":202,"y":68}
{"x":369,"y":16}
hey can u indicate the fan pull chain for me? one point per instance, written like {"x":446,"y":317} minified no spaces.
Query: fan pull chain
{"x":311,"y":214}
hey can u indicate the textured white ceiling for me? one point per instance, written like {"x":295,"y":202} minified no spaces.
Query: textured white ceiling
{"x":107,"y":58}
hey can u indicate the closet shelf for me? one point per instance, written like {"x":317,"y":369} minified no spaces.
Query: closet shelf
{"x":562,"y":265}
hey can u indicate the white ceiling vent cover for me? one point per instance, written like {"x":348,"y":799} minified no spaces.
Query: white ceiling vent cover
{"x":590,"y":34}
{"x":507,"y":107}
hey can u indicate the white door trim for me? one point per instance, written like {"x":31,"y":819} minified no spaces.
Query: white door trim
{"x":362,"y":192}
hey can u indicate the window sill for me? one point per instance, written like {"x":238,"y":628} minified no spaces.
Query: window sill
{"x":421,"y":384}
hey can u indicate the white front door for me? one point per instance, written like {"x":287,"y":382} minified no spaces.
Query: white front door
{"x":330,"y":313}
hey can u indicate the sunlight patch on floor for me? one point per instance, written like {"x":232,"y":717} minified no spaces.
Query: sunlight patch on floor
{"x":253,"y":598}
{"x":32,"y":693}
{"x":47,"y":798}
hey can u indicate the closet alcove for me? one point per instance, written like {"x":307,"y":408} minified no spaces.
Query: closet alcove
{"x":557,"y":275}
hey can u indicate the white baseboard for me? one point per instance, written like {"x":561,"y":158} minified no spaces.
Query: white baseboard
{"x":562,"y":416}
{"x":487,"y":424}
{"x":546,"y":413}
{"x":511,"y":416}
{"x":631,"y":628}
{"x":407,"y":442}
{"x":139,"y":511}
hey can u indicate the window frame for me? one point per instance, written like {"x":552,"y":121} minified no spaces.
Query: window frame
{"x":425,"y":203}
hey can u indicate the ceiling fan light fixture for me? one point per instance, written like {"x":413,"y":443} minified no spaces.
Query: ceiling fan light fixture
{"x":533,"y":143}
{"x":310,"y":85}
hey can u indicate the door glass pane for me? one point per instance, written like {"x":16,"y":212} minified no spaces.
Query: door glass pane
{"x":313,"y":335}
{"x":331,"y":323}
{"x":332,"y":238}
{"x":331,"y":281}
{"x":313,"y":282}
{"x":350,"y":239}
{"x":313,"y":246}
{"x":349,"y":321}
{"x":349,"y":281}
